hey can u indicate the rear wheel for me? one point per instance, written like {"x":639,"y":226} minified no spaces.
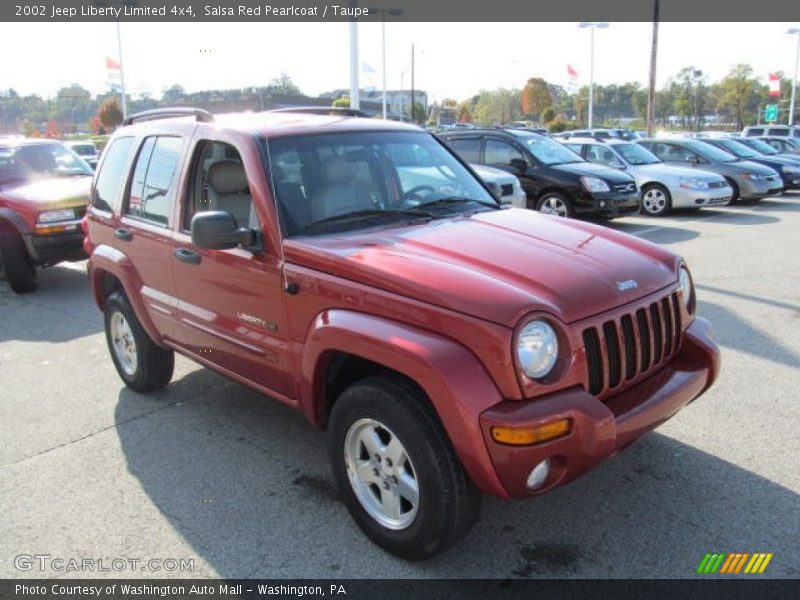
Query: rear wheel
{"x":555,"y":203}
{"x":396,"y":470}
{"x":141,"y":364}
{"x":656,"y":200}
{"x":19,"y":270}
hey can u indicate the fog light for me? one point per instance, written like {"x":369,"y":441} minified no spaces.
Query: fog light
{"x":539,"y":474}
{"x":602,"y":203}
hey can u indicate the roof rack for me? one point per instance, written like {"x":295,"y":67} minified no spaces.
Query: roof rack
{"x":321,"y":110}
{"x":167,"y":113}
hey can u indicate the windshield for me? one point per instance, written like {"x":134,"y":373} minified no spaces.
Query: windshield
{"x":34,"y":162}
{"x":549,"y":152}
{"x":758,"y":145}
{"x":635,"y":154}
{"x":84,"y":149}
{"x":738,"y":149}
{"x":342,"y":181}
{"x":710,"y":152}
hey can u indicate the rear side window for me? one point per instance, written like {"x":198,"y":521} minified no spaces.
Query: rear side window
{"x":111,"y":178}
{"x":779,"y":131}
{"x":469,"y":149}
{"x":753,"y":131}
{"x":153,"y":186}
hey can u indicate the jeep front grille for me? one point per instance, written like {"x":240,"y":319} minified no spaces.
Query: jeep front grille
{"x":631,"y":345}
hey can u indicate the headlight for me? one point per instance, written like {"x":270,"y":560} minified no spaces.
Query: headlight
{"x":693,"y":183}
{"x":537,"y":349}
{"x":53,"y":216}
{"x":593,"y":184}
{"x":790,"y":170}
{"x":685,"y":282}
{"x":754,"y":176}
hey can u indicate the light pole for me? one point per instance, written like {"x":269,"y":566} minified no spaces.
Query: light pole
{"x":794,"y":31}
{"x":393,"y":12}
{"x":592,"y":25}
{"x":354,"y":89}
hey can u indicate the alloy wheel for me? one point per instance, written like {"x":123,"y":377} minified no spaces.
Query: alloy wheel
{"x":123,"y":343}
{"x":553,"y":205}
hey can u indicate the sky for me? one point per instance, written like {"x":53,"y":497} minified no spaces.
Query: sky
{"x":453,"y":60}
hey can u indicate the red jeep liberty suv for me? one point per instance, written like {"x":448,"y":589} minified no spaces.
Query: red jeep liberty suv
{"x":360,"y":272}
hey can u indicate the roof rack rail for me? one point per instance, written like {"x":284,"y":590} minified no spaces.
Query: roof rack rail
{"x":166,"y":113}
{"x":321,"y":110}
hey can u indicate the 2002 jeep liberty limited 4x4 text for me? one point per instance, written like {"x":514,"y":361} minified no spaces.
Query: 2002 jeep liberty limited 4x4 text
{"x":358,"y":271}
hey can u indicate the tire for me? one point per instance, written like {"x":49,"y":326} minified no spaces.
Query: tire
{"x":735,"y":198}
{"x":555,"y":203}
{"x":397,"y":421}
{"x":20,"y":272}
{"x":143,"y":366}
{"x":656,"y":200}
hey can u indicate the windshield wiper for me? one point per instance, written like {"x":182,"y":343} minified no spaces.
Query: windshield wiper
{"x":367,"y":214}
{"x":441,"y":202}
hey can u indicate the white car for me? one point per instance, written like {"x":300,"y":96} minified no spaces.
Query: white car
{"x":511,"y":191}
{"x":663,"y":186}
{"x":86,"y":150}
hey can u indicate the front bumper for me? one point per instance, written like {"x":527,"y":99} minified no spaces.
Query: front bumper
{"x":55,"y":248}
{"x":599,"y":429}
{"x":608,"y":204}
{"x":791,"y":181}
{"x":753,"y":190}
{"x":685,"y":198}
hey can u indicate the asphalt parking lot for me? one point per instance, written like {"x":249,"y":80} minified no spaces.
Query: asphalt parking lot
{"x":210,"y":471}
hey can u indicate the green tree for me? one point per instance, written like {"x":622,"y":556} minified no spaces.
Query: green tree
{"x":343,"y":102}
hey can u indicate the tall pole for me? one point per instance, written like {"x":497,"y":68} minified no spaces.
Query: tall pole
{"x":354,"y":89}
{"x":383,"y":61}
{"x":794,"y":81}
{"x":591,"y":76}
{"x":413,"y":116}
{"x":651,"y":91}
{"x":121,"y":72}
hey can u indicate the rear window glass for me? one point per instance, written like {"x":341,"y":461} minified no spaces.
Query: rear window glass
{"x":111,"y":178}
{"x":779,"y":132}
{"x":152,"y":187}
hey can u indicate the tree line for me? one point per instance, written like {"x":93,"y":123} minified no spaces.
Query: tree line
{"x":685,"y":102}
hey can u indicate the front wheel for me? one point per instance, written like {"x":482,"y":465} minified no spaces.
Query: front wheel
{"x":19,"y":271}
{"x":555,"y":203}
{"x":656,"y":200}
{"x":141,"y":364}
{"x":396,"y":470}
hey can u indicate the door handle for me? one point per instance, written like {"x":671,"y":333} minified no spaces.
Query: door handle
{"x":187,"y":256}
{"x":123,"y":234}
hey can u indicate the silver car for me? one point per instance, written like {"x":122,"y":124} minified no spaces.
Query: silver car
{"x":508,"y":186}
{"x":663,"y":186}
{"x":749,"y":180}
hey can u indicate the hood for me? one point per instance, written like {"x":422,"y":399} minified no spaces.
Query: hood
{"x":594,"y":170}
{"x":747,"y":165}
{"x":664,"y":170}
{"x":49,"y":194}
{"x":492,"y":174}
{"x":497,"y":266}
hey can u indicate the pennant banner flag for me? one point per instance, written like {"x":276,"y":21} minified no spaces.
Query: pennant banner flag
{"x":572,"y":84}
{"x":112,"y":65}
{"x":774,"y":85}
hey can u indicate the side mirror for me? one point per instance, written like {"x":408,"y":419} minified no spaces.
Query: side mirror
{"x":217,"y":230}
{"x":519,"y":165}
{"x":496,"y":189}
{"x":694,"y":159}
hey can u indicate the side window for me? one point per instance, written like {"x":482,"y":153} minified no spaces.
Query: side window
{"x":576,"y":148}
{"x":501,"y":153}
{"x":153,"y":186}
{"x":601,"y":155}
{"x":111,"y":178}
{"x":219,"y":182}
{"x":753,"y":131}
{"x":468,"y":149}
{"x":779,"y":131}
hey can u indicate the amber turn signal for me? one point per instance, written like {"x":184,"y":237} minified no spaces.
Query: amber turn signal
{"x":528,"y":436}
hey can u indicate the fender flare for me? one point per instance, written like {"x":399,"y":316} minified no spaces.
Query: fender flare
{"x":106,"y":259}
{"x":456,"y":382}
{"x":22,"y":227}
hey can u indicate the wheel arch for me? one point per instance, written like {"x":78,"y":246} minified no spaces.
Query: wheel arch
{"x":12,"y":222}
{"x":343,"y":346}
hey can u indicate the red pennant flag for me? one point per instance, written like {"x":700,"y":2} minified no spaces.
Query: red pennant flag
{"x":774,"y":85}
{"x":571,"y":72}
{"x":112,"y":65}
